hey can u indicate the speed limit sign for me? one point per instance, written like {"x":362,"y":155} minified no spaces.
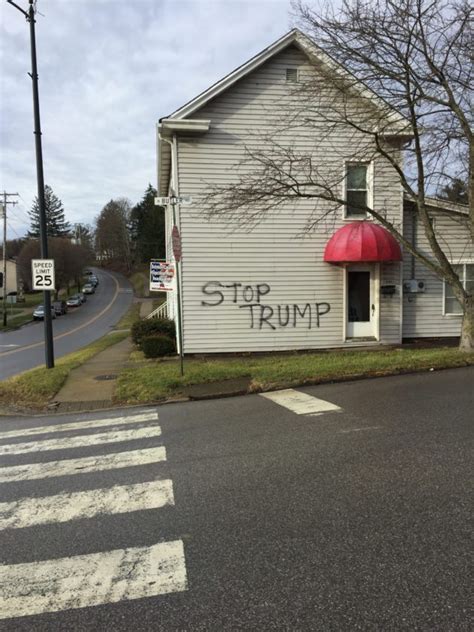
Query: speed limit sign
{"x":42,"y":273}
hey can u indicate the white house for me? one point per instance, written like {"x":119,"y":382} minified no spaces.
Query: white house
{"x":276,"y":286}
{"x":12,"y":276}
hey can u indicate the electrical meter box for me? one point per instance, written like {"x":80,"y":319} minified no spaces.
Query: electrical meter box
{"x":414,"y":286}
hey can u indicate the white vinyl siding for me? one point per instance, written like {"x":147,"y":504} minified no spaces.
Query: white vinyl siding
{"x":276,"y":251}
{"x":424,"y":313}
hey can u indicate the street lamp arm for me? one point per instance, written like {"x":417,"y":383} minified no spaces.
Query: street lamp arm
{"x":19,"y":8}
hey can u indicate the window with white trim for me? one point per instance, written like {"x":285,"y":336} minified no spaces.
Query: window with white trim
{"x":357,"y":189}
{"x":452,"y":306}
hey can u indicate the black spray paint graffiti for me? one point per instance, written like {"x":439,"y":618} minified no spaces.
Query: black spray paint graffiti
{"x":274,"y":317}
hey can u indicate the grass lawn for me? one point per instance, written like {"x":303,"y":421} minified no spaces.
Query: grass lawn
{"x":153,"y":380}
{"x":23,"y":312}
{"x":129,"y":317}
{"x":16,"y":319}
{"x":139,"y":280}
{"x":37,"y":387}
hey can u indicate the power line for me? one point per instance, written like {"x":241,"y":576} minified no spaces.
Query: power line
{"x":12,"y":229}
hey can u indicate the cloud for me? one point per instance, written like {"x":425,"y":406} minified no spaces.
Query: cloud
{"x":109,"y":69}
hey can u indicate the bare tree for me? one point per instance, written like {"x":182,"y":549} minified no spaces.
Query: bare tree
{"x":112,"y":233}
{"x":69,"y":260}
{"x":414,"y":56}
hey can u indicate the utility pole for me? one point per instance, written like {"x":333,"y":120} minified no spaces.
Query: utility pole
{"x":4,"y":279}
{"x":48,"y":326}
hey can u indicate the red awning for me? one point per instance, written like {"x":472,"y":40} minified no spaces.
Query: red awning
{"x":363,"y":242}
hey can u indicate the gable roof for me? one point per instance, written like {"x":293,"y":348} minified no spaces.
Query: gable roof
{"x":311,"y":50}
{"x":399,"y":124}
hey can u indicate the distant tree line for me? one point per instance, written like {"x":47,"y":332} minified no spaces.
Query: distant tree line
{"x":128,"y":235}
{"x":124,"y":236}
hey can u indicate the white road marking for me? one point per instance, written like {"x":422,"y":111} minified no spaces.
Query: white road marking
{"x":91,"y":580}
{"x":7,"y":346}
{"x":86,"y":464}
{"x":359,"y":429}
{"x":27,"y":512}
{"x":81,"y":441}
{"x":80,"y":425}
{"x":300,"y":403}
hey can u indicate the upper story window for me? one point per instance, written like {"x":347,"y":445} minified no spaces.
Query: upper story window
{"x":465,"y":271}
{"x":292,"y":75}
{"x":358,"y":189}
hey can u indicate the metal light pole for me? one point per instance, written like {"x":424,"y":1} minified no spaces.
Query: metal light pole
{"x":48,"y":328}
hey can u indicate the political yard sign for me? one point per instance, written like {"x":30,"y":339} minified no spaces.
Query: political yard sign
{"x":161,"y":276}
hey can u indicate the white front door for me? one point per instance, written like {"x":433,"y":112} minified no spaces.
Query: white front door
{"x":362,"y":310}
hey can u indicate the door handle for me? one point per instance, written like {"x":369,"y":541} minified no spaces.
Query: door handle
{"x":373,"y":309}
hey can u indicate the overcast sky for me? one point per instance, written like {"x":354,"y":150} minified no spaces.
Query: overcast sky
{"x":109,"y":69}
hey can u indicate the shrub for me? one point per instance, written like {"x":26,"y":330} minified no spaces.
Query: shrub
{"x":149,"y":327}
{"x":157,"y":346}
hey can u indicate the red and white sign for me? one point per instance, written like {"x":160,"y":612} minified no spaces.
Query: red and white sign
{"x":176,"y":240}
{"x":161,"y":276}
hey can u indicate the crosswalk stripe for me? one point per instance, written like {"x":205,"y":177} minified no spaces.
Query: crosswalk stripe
{"x":81,"y":425}
{"x":91,"y":580}
{"x":27,"y":512}
{"x":300,"y":403}
{"x":32,"y":471}
{"x":81,"y":441}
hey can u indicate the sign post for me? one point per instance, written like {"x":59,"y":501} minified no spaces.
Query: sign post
{"x":177,"y":253}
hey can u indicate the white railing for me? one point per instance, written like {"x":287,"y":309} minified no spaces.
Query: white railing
{"x":160,"y":312}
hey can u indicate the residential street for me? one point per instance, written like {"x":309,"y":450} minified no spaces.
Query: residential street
{"x":23,"y":349}
{"x":246,"y":513}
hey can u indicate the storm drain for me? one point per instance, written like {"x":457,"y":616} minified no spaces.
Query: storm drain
{"x":109,"y":376}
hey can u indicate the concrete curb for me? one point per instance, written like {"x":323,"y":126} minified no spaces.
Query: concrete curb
{"x":208,"y":396}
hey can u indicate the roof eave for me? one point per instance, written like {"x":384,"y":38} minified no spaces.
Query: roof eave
{"x":309,"y":48}
{"x":165,"y":130}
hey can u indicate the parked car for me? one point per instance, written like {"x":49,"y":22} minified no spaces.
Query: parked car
{"x":94,"y":280}
{"x":82,"y":297}
{"x":60,"y":307}
{"x":38,"y":314}
{"x":88,"y":272}
{"x":74,"y":301}
{"x":88,"y":288}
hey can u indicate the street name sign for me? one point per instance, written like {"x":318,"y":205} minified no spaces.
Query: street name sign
{"x":42,"y":273}
{"x":174,"y":199}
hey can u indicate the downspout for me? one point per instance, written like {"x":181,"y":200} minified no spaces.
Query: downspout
{"x":413,"y":243}
{"x":175,"y":192}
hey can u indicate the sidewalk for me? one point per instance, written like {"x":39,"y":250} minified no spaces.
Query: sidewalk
{"x":91,"y":386}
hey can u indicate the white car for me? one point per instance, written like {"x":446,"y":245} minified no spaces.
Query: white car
{"x":88,"y":288}
{"x":38,"y":314}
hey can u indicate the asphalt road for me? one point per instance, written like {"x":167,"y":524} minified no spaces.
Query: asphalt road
{"x":23,"y":348}
{"x":352,"y":520}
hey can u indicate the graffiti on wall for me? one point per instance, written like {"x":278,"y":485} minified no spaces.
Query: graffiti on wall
{"x":261,"y":314}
